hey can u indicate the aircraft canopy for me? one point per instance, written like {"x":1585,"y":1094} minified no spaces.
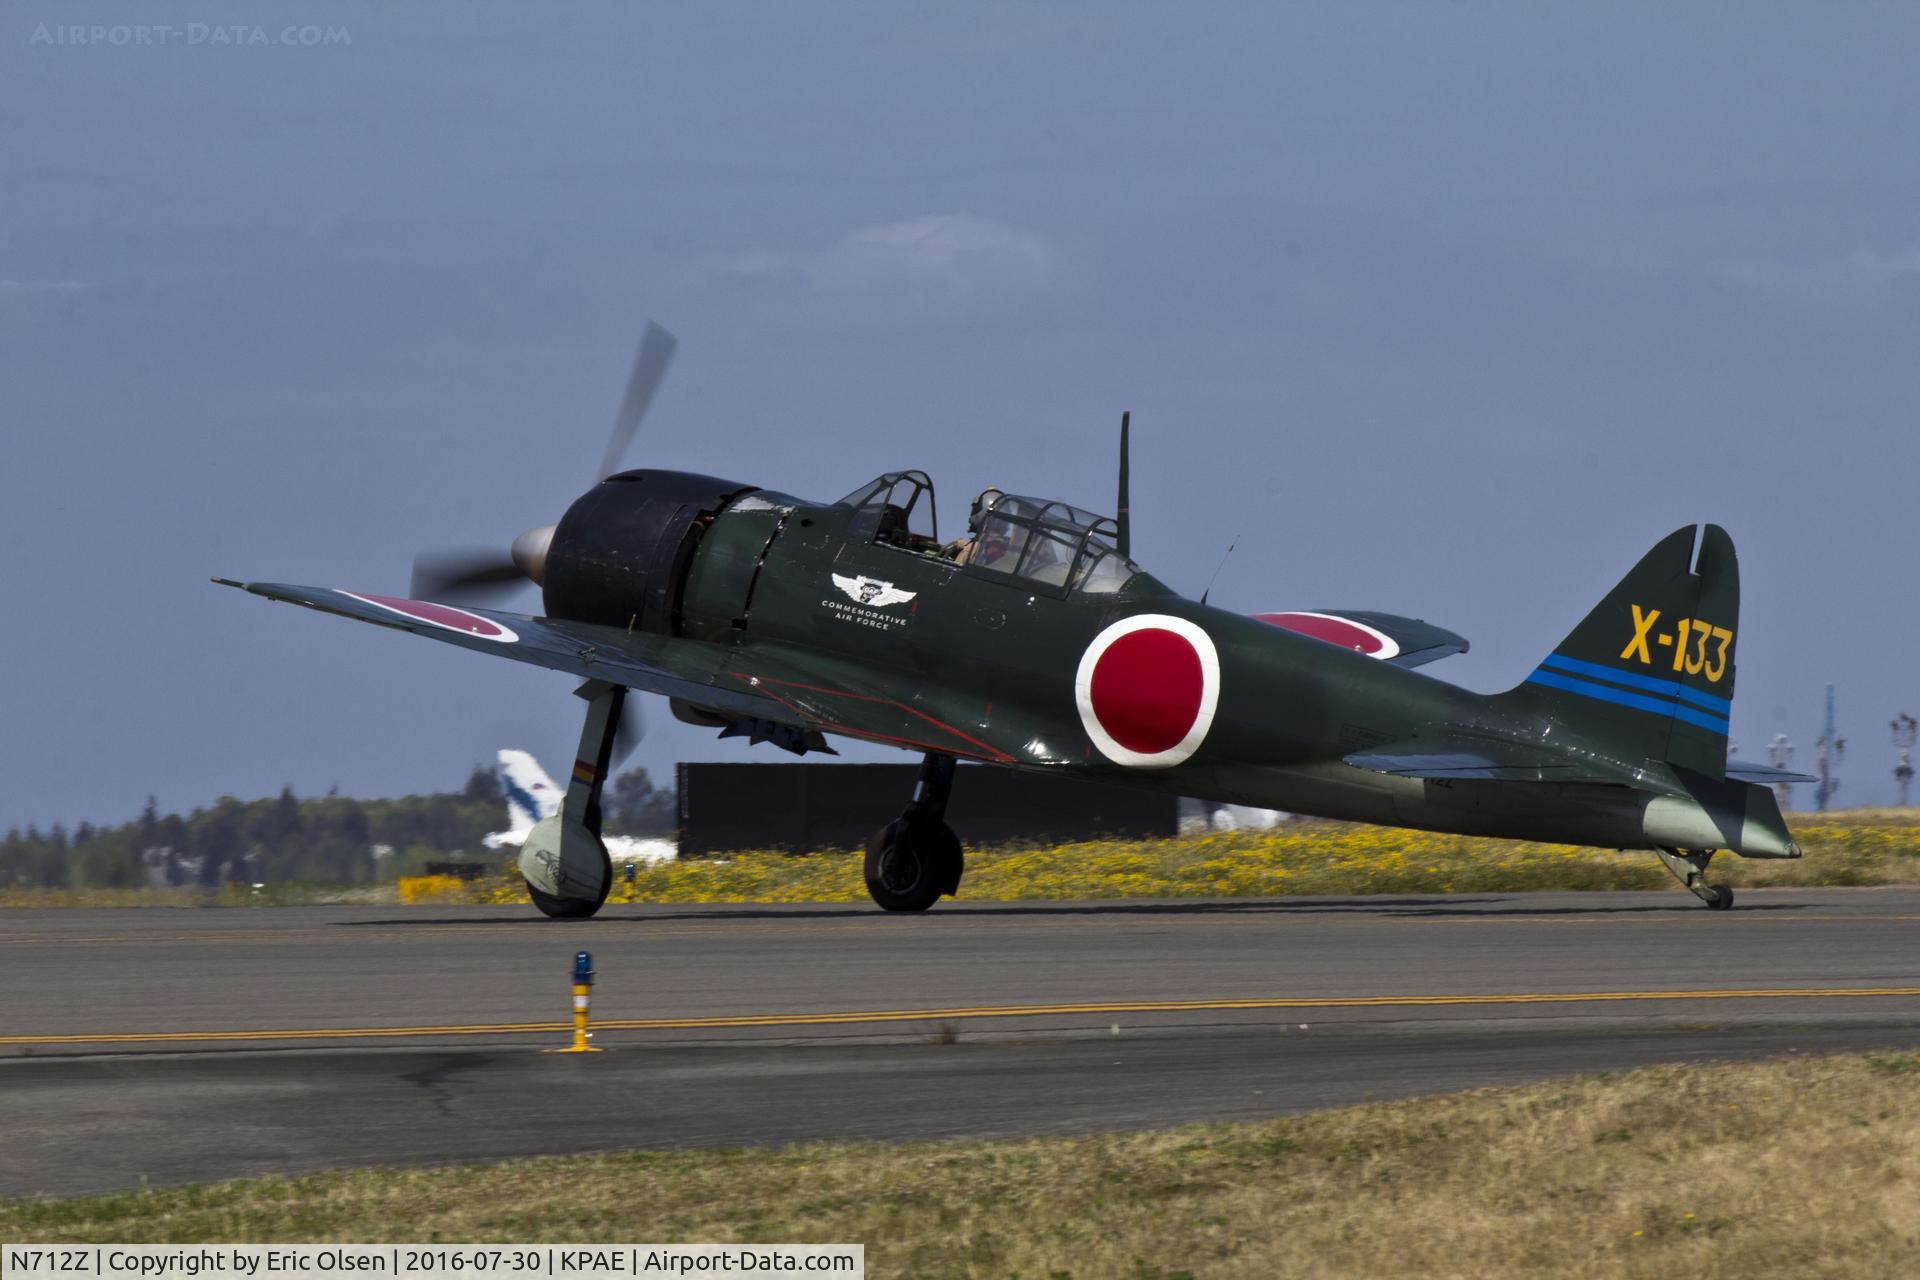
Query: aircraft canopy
{"x":1048,"y":543}
{"x":1051,"y":543}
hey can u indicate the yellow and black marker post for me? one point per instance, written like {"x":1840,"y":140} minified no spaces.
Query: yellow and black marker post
{"x":582,"y":993}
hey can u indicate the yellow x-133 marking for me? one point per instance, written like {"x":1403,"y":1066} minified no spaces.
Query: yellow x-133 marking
{"x":1695,"y":662}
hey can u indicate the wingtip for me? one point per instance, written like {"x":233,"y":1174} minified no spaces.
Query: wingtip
{"x":229,"y":582}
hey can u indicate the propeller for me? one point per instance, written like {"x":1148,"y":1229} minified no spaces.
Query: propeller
{"x":481,"y":576}
{"x":627,"y":734}
{"x":649,"y":367}
{"x":465,"y":575}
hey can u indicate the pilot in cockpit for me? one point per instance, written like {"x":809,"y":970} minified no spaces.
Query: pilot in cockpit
{"x":972,"y":547}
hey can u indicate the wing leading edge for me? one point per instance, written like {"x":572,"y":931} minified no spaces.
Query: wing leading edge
{"x":749,"y":689}
{"x":687,"y":669}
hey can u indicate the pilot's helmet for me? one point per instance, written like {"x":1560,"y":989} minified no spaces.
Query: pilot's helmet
{"x":982,"y":505}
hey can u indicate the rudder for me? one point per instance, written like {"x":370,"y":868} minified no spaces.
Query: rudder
{"x":1649,"y":672}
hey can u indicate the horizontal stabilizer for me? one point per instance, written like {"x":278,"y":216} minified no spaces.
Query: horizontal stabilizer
{"x":1486,"y":758}
{"x":1404,"y":642}
{"x":1764,"y":774}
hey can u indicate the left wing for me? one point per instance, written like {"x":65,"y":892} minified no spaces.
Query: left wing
{"x":693,"y":670}
{"x":834,"y":695}
{"x":750,"y":688}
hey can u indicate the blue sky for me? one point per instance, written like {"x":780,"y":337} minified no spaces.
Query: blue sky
{"x":1451,"y":310}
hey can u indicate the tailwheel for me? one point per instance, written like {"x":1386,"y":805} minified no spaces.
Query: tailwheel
{"x":911,"y":862}
{"x":1689,"y":867}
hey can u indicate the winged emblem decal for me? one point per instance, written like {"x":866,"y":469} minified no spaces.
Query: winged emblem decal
{"x":871,"y":591}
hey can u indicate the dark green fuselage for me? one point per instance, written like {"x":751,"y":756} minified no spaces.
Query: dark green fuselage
{"x":989,"y":661}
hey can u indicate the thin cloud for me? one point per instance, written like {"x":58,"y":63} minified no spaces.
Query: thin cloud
{"x":42,"y":286}
{"x":1862,"y":276}
{"x":946,"y":257}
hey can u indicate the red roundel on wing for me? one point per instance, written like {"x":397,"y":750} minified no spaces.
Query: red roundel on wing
{"x":1333,"y":630}
{"x":441,"y":615}
{"x":1146,"y":689}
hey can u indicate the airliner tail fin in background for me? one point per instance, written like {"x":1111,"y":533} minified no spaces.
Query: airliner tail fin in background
{"x":531,"y":796}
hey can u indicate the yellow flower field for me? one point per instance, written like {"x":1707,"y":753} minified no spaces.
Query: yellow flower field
{"x":1297,"y":858}
{"x":415,"y":889}
{"x":1861,"y":847}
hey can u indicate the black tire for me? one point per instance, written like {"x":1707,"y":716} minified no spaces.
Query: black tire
{"x":1722,"y":899}
{"x":911,"y":864}
{"x":575,"y":908}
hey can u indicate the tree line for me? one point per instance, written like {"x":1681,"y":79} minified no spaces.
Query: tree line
{"x":330,"y":839}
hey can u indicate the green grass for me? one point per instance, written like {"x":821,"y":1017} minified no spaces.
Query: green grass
{"x":1799,"y":1167}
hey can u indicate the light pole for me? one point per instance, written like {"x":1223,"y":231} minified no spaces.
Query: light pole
{"x":1780,"y":756}
{"x":1904,"y":727}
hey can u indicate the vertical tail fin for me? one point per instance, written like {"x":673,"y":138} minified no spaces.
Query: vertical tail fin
{"x":531,"y":795}
{"x":1649,"y":672}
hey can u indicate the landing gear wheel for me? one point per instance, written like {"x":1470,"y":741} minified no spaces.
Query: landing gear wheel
{"x":911,"y":862}
{"x":575,"y":908}
{"x":563,"y":859}
{"x":1722,"y":898}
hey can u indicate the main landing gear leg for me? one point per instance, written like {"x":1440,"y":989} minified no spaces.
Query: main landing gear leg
{"x":564,"y":860}
{"x":1690,"y":866}
{"x":916,"y":858}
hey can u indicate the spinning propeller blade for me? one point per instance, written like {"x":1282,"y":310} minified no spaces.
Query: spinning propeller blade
{"x":649,"y":367}
{"x":465,"y":576}
{"x":632,"y":729}
{"x":476,"y":576}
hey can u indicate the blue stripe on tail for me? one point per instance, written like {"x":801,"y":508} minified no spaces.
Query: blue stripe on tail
{"x":1634,"y":680}
{"x":1665,"y":707}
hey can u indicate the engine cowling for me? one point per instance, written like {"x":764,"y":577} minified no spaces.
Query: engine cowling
{"x":620,"y":555}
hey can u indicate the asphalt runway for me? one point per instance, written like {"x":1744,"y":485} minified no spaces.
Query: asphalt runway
{"x":168,"y":1046}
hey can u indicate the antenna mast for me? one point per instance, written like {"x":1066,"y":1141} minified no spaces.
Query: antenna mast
{"x":1216,"y":571}
{"x":1122,"y":516}
{"x":1827,"y":752}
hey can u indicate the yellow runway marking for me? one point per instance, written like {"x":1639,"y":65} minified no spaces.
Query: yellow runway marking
{"x":1601,"y":917}
{"x":269,"y":933}
{"x":970,"y":1011}
{"x":683,"y":926}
